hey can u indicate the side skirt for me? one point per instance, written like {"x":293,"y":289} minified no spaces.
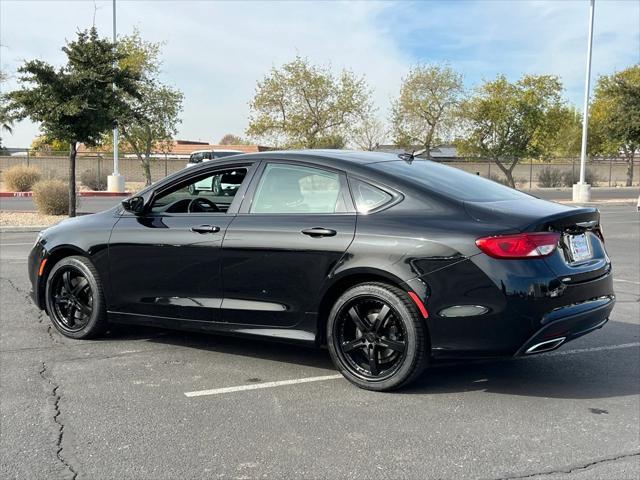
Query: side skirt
{"x":287,"y":335}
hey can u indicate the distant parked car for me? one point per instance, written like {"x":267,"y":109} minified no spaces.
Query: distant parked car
{"x":200,"y":156}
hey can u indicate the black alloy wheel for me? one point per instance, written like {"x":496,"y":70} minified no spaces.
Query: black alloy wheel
{"x":371,"y":338}
{"x":376,"y":337}
{"x":74,"y":298}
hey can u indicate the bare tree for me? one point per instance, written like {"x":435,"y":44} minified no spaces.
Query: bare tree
{"x":425,"y":108}
{"x":369,"y":133}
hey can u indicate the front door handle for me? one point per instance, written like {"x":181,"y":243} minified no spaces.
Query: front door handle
{"x":205,"y":229}
{"x":319,"y":232}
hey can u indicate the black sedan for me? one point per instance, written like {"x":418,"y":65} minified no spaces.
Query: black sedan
{"x":389,"y":261}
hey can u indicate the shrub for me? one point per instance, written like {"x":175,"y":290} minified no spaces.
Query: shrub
{"x":499,"y":179}
{"x":21,"y":178}
{"x":590,"y":177}
{"x":91,"y":179}
{"x":51,"y":197}
{"x":521,"y":182}
{"x":503,"y":180}
{"x":550,"y":177}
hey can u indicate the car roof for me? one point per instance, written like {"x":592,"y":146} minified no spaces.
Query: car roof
{"x":216,"y":150}
{"x":343,"y":159}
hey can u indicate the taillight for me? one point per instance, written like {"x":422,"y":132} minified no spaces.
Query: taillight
{"x":521,"y":245}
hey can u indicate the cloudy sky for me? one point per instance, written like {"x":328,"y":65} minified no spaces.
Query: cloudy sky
{"x":216,"y":51}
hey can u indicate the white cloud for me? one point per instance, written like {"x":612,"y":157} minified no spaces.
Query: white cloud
{"x":215,"y":52}
{"x":483,"y":39}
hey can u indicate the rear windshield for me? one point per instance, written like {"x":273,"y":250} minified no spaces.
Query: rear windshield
{"x":449,"y":181}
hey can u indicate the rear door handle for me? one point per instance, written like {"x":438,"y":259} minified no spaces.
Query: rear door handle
{"x":319,"y":232}
{"x":205,"y":229}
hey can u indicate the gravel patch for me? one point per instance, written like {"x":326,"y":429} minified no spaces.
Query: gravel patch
{"x":26,"y":219}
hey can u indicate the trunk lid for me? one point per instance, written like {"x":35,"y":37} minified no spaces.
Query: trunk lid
{"x":580,"y":255}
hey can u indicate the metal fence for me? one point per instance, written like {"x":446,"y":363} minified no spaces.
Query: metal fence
{"x":55,"y":166}
{"x":528,"y":173}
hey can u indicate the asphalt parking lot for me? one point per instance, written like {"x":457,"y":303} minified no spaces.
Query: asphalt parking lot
{"x":123,"y":406}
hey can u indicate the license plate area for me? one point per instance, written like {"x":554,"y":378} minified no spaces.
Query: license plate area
{"x":579,"y":247}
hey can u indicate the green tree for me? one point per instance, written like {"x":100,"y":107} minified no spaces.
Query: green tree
{"x":231,"y":139}
{"x":79,"y":101}
{"x":6,"y":123}
{"x":306,"y":106}
{"x":506,"y":122}
{"x":615,"y":116}
{"x":153,"y":117}
{"x":564,"y":132}
{"x":425,"y":109}
{"x":44,"y":144}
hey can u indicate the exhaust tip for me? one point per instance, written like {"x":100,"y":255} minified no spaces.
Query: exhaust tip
{"x":545,"y":346}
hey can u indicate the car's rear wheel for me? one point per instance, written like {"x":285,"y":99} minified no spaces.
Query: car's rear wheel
{"x":377,"y":338}
{"x":74,"y":298}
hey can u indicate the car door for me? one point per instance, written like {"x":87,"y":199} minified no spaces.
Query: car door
{"x":294,"y":226}
{"x":166,"y":262}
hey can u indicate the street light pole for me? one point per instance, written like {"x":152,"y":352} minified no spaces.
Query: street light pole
{"x":115,"y":182}
{"x":582,"y":190}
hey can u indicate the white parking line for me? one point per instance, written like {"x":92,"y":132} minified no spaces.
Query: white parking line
{"x":625,"y":281}
{"x":242,"y":388}
{"x":257,"y":386}
{"x":14,"y":244}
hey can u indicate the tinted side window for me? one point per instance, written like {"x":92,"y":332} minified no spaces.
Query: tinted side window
{"x":297,"y":189}
{"x":449,"y":181}
{"x":368,"y":197}
{"x":211,"y":193}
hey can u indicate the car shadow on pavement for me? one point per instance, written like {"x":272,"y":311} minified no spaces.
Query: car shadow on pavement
{"x":583,"y":375}
{"x":247,"y":347}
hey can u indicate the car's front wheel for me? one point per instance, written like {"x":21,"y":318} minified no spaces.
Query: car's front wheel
{"x":377,"y":338}
{"x":74,"y":299}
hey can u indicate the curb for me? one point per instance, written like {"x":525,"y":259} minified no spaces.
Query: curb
{"x":88,"y":193}
{"x":595,"y":203}
{"x":25,"y":229}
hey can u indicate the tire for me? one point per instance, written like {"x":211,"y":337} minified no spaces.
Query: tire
{"x":376,"y":353}
{"x":75,"y":300}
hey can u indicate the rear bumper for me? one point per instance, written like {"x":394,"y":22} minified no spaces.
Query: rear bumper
{"x":524,"y":300}
{"x":568,"y":323}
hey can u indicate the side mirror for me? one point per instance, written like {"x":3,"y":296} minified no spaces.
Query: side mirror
{"x":134,"y":205}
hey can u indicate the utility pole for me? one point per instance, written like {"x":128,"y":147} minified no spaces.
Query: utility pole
{"x":582,"y":190}
{"x":115,"y":182}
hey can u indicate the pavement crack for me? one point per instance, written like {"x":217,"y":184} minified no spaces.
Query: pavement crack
{"x":56,"y":418}
{"x":573,"y":469}
{"x":51,"y":335}
{"x":40,"y":315}
{"x":13,"y":285}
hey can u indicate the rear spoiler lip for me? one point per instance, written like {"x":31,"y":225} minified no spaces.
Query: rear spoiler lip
{"x":536,"y":219}
{"x":583,"y":218}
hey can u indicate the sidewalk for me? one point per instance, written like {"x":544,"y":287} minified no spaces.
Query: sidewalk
{"x":80,"y":193}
